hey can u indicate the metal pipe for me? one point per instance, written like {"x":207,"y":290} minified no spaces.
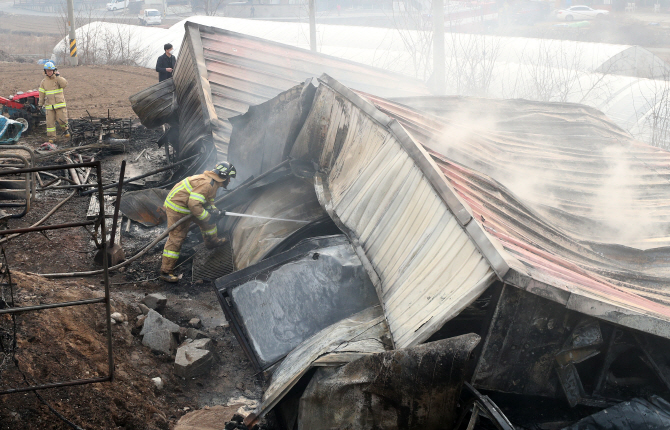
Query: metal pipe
{"x":117,"y":204}
{"x":51,"y":306}
{"x":153,"y":172}
{"x":47,"y":168}
{"x":105,"y":271}
{"x":56,"y":385}
{"x":46,"y":227}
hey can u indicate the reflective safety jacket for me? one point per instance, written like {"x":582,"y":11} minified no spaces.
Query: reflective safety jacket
{"x":194,"y":195}
{"x":51,"y":92}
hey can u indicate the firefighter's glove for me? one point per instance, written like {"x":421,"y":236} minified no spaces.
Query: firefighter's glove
{"x":217,"y":214}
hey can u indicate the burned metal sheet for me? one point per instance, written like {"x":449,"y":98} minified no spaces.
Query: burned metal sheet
{"x":288,"y":198}
{"x":404,"y":389}
{"x":363,"y":333}
{"x":145,"y":206}
{"x":262,"y":138}
{"x":638,"y":414}
{"x":537,"y":347}
{"x":427,"y":260}
{"x":155,"y":105}
{"x":278,"y":303}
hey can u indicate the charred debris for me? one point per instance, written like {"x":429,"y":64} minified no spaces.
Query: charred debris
{"x":459,"y":268}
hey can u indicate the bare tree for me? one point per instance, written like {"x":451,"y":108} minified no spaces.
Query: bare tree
{"x":655,"y":122}
{"x":471,"y":62}
{"x":411,"y":21}
{"x":211,"y":7}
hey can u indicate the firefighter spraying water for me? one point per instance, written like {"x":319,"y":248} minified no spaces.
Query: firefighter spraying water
{"x":193,"y":196}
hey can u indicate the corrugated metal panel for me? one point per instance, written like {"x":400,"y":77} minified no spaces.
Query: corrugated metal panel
{"x":193,"y":124}
{"x":361,"y":333}
{"x":556,"y":242}
{"x":425,"y":265}
{"x":244,"y":70}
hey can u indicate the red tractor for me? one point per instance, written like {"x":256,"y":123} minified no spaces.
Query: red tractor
{"x":23,"y":107}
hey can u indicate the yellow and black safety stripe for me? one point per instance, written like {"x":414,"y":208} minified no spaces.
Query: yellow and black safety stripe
{"x":210,"y":232}
{"x":185,"y":185}
{"x":56,"y":106}
{"x":73,"y":47}
{"x":170,"y":254}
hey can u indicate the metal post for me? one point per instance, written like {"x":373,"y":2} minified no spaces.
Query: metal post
{"x":439,"y":78}
{"x":312,"y":25}
{"x":105,"y":271}
{"x":73,"y":37}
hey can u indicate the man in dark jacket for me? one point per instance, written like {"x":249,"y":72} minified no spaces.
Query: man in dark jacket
{"x":165,"y":64}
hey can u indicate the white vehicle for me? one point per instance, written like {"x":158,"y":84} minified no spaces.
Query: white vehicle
{"x":117,"y":4}
{"x":150,"y":17}
{"x":581,"y":13}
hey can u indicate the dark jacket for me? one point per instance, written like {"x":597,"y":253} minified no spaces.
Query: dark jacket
{"x":165,"y":62}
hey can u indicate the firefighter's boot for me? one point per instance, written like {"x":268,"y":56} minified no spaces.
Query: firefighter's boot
{"x":212,"y":242}
{"x":169,"y":277}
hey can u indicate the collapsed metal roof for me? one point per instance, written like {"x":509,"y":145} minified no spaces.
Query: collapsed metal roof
{"x":435,"y":227}
{"x":425,"y":257}
{"x":534,"y":174}
{"x":219,"y":74}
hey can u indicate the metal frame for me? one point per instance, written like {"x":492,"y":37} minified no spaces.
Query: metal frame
{"x":105,"y":299}
{"x":27,"y":181}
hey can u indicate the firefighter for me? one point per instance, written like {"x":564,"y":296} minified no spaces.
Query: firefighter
{"x":53,"y":100}
{"x":193,"y":196}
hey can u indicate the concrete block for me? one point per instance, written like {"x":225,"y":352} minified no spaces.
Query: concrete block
{"x":155,"y":301}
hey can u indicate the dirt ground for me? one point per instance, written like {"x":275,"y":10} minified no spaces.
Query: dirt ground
{"x":90,"y":88}
{"x":65,"y":344}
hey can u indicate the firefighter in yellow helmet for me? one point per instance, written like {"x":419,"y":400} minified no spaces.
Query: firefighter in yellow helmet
{"x":53,"y":100}
{"x":193,"y":196}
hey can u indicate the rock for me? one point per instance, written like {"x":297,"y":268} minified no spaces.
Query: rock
{"x":119,"y":317}
{"x":246,"y":406}
{"x":140,"y":321}
{"x":192,"y":333}
{"x":191,"y":362}
{"x":158,"y":382}
{"x":205,"y":343}
{"x":195,"y":323}
{"x":155,"y":301}
{"x":240,"y":386}
{"x":182,"y":333}
{"x":206,"y":419}
{"x":248,"y":393}
{"x":144,"y":308}
{"x":194,"y":357}
{"x":160,"y":334}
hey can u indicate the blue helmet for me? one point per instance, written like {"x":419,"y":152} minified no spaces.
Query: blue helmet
{"x":49,"y":66}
